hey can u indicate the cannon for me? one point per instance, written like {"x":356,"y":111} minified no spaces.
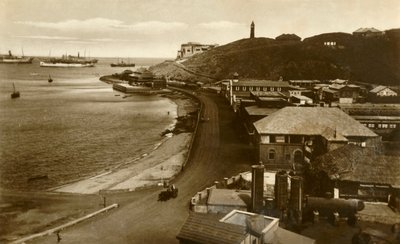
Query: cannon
{"x":170,"y":192}
{"x":329,"y":206}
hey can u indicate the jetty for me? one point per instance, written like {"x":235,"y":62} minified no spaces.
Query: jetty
{"x":126,"y":88}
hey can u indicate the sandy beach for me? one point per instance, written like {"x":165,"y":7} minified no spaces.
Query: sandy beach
{"x":151,"y":169}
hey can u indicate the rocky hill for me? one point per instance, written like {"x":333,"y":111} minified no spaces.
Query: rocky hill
{"x":370,"y":60}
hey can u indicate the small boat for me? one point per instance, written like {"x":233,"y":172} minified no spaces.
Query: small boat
{"x":15,"y":93}
{"x":50,"y":79}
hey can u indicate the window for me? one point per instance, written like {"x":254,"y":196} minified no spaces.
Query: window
{"x":379,"y":125}
{"x":237,"y":88}
{"x":244,"y":88}
{"x":296,"y":139}
{"x":280,"y":139}
{"x":384,"y":126}
{"x":392,"y":126}
{"x":250,"y":88}
{"x":371,"y":125}
{"x":265,"y":89}
{"x":279,"y":89}
{"x":271,"y":89}
{"x":257,"y":88}
{"x":271,"y":154}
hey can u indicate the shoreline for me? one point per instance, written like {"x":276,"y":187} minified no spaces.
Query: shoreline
{"x":161,"y":164}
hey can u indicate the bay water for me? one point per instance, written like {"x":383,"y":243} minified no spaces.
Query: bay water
{"x":74,"y":127}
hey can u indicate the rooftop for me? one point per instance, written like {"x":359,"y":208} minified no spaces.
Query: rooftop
{"x":256,"y":110}
{"x":378,"y":89}
{"x":361,"y":30}
{"x":206,"y":228}
{"x":354,"y":163}
{"x":311,"y":121}
{"x":228,"y":197}
{"x":261,"y":83}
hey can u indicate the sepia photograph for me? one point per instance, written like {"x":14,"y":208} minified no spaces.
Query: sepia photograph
{"x":200,"y":121}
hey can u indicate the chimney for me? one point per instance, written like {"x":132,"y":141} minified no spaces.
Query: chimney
{"x":281,"y":190}
{"x":257,"y":188}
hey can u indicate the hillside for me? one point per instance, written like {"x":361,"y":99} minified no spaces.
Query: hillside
{"x":369,"y":60}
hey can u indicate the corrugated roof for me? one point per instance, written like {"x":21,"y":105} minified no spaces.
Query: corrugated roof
{"x":311,"y":121}
{"x":228,"y":197}
{"x":354,"y":163}
{"x":206,"y":228}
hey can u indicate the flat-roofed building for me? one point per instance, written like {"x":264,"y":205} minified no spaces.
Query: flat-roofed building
{"x":292,"y":136}
{"x":238,"y":227}
{"x":191,"y":48}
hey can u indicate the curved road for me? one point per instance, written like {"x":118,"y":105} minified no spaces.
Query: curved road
{"x":215,"y":154}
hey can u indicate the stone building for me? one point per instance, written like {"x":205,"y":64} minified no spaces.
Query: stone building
{"x":293,"y":136}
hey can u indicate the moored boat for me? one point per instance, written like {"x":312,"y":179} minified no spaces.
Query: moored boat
{"x":68,"y":62}
{"x":122,"y":64}
{"x":11,"y":59}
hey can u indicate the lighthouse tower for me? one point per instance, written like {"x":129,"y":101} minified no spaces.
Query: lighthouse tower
{"x":252,"y":30}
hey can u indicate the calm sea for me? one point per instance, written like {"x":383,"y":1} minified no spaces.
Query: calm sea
{"x":72,"y":128}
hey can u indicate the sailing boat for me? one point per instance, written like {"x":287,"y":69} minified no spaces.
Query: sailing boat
{"x":50,"y":79}
{"x":15,"y":93}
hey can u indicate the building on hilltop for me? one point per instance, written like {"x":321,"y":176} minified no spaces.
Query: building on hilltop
{"x":252,"y":29}
{"x":293,"y":136}
{"x":191,"y":48}
{"x":288,"y":38}
{"x":367,"y":32}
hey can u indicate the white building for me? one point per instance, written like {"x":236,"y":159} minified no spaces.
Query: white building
{"x":383,"y":91}
{"x":191,"y":48}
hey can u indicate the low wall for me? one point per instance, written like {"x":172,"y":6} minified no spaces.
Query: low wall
{"x":61,"y":227}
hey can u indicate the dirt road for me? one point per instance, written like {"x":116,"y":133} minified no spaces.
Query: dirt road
{"x":217,"y":153}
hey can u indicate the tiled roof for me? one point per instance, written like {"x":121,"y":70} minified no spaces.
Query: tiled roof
{"x":206,"y":228}
{"x":354,"y":163}
{"x":311,"y":121}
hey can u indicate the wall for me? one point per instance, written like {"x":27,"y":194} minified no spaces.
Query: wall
{"x":281,"y":150}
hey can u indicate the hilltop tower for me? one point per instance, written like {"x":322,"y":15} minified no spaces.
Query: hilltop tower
{"x":252,"y":30}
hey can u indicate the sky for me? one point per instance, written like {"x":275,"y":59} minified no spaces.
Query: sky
{"x":157,"y":28}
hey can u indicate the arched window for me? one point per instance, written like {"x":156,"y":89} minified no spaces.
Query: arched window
{"x":271,"y":154}
{"x":298,"y":156}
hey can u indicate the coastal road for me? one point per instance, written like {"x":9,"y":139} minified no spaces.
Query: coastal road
{"x":217,"y":152}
